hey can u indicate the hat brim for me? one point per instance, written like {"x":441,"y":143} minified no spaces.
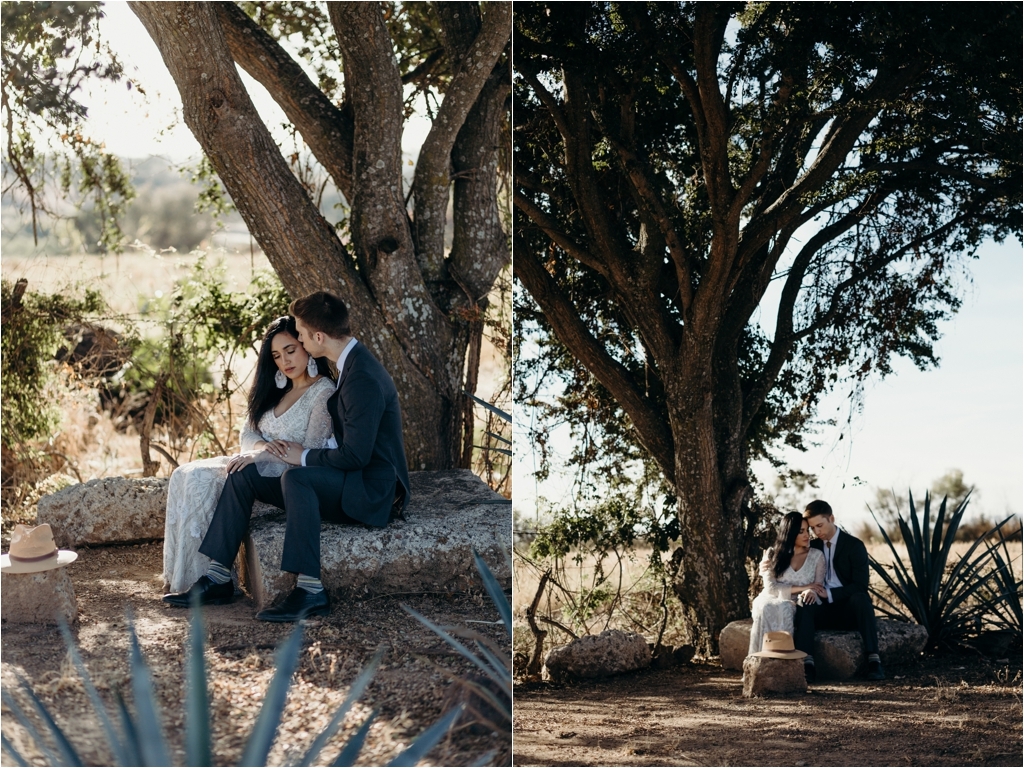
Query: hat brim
{"x":59,"y":559}
{"x":780,"y":654}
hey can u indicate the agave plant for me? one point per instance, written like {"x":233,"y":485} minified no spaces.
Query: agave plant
{"x":495,"y":666}
{"x":140,"y":739}
{"x":950,"y":600}
{"x":1007,"y":589}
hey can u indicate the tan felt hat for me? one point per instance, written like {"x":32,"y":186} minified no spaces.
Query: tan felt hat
{"x":33,"y":550}
{"x":779,"y":645}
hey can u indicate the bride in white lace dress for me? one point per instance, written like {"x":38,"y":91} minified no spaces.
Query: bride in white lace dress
{"x":791,"y":571}
{"x":288,"y":401}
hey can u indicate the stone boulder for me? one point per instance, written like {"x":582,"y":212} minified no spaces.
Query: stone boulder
{"x":450,"y":514}
{"x":763,"y":676}
{"x":106,"y":511}
{"x":38,"y":598}
{"x":837,"y":655}
{"x":612,"y":652}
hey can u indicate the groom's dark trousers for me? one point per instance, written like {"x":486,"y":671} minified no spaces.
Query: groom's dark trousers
{"x":851,"y":606}
{"x":360,"y":481}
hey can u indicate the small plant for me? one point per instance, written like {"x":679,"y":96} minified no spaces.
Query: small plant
{"x":495,"y":689}
{"x":141,"y":741}
{"x":950,"y":600}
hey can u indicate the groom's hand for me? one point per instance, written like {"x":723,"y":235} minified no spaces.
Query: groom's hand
{"x":287,"y":451}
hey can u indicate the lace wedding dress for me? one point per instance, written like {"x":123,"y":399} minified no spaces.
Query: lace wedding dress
{"x":773,"y":610}
{"x":195,"y":487}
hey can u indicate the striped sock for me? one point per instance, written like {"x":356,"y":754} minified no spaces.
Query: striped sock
{"x":308,"y":583}
{"x":217,"y":573}
{"x":874,"y":657}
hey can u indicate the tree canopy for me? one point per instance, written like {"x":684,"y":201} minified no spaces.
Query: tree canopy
{"x":722,"y":210}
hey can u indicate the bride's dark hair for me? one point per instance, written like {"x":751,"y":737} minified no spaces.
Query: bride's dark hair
{"x":264,"y":394}
{"x":781,"y":553}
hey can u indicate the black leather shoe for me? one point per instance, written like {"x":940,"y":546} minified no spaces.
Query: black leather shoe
{"x":209,"y":592}
{"x":810,"y":673}
{"x":300,"y":604}
{"x":875,"y":671}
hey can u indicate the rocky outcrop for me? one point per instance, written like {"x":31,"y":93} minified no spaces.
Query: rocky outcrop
{"x":450,"y":513}
{"x":837,"y":655}
{"x":610,"y":653}
{"x":763,"y":676}
{"x":38,"y":598}
{"x":106,"y":511}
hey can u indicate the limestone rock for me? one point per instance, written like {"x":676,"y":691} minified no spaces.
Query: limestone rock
{"x":610,"y":653}
{"x":38,"y":598}
{"x":104,"y":511}
{"x":837,"y":655}
{"x":764,"y":676}
{"x":734,"y":642}
{"x":450,"y":513}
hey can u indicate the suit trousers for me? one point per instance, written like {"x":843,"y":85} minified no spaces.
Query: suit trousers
{"x":307,"y":495}
{"x":852,"y":612}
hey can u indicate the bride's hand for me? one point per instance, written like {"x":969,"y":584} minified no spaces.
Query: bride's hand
{"x":819,"y":590}
{"x":239,"y":462}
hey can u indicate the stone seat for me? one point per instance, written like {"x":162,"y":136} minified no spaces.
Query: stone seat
{"x":450,"y":513}
{"x":837,"y":655}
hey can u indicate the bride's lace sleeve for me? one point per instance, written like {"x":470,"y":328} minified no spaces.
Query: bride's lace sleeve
{"x":249,"y":437}
{"x":772,"y":585}
{"x":320,"y":425}
{"x":819,"y":568}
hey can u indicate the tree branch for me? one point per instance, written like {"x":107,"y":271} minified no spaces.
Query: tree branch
{"x":550,"y":228}
{"x":327,"y":129}
{"x":651,"y":426}
{"x":432,"y":179}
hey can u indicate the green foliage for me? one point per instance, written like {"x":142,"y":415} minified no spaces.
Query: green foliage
{"x":50,"y":51}
{"x":951,"y":600}
{"x":32,"y":331}
{"x":142,"y":740}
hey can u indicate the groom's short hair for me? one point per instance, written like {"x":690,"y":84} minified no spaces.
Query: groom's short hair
{"x":817,"y":507}
{"x":323,"y":312}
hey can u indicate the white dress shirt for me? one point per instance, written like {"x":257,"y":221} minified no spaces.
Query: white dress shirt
{"x":829,"y":550}
{"x":332,"y":442}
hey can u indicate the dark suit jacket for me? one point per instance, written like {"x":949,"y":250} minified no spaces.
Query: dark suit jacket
{"x":850,"y":561}
{"x":368,"y":427}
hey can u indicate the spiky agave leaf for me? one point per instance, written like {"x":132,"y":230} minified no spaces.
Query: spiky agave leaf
{"x":493,"y":409}
{"x":351,"y":750}
{"x":28,"y":725}
{"x":494,"y":590}
{"x":354,"y":692}
{"x":265,"y":730}
{"x":121,"y":754}
{"x":427,"y":740}
{"x":198,"y":750}
{"x":12,"y":751}
{"x":151,"y":744}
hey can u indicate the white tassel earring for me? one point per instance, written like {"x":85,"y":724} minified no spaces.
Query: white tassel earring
{"x":311,"y":368}
{"x":281,"y":380}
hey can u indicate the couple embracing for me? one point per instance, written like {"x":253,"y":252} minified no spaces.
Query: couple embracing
{"x":319,"y":449}
{"x":815,"y":584}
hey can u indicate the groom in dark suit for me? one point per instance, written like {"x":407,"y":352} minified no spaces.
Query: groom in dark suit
{"x":361,"y":477}
{"x":846,"y":603}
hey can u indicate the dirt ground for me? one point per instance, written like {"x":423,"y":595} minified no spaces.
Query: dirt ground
{"x":412,"y":689}
{"x":950,"y":710}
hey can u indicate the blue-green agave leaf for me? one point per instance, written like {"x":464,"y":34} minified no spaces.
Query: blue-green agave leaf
{"x":131,"y":733}
{"x":496,"y":411}
{"x":121,"y":755}
{"x":427,"y":740}
{"x":63,"y":745}
{"x":351,"y":750}
{"x":495,"y":591}
{"x":12,"y":751}
{"x":26,"y":723}
{"x":265,"y":730}
{"x":465,"y":652}
{"x":354,"y":692}
{"x":152,"y":746}
{"x":198,"y":750}
{"x":499,"y":437}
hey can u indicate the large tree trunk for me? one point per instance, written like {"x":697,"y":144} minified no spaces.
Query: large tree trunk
{"x":419,"y":330}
